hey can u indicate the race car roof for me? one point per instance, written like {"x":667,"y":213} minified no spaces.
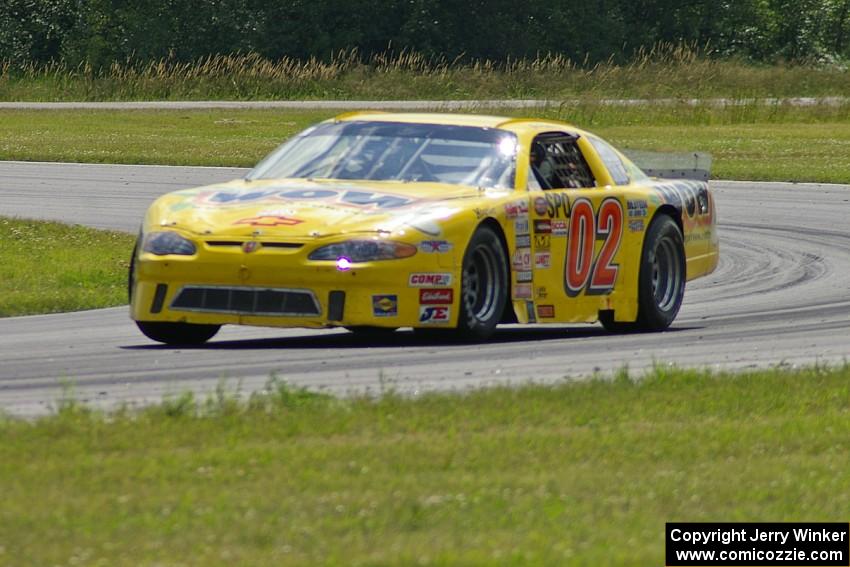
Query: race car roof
{"x":479,"y":120}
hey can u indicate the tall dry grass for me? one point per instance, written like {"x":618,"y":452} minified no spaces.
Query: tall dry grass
{"x":663,"y":71}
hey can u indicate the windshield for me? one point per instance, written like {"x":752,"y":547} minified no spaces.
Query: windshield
{"x":460,"y":155}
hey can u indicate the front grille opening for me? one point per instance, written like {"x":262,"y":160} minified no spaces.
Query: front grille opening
{"x":247,"y":301}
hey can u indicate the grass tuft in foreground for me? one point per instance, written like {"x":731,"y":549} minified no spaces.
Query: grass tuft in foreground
{"x":580,"y":473}
{"x":48,"y":267}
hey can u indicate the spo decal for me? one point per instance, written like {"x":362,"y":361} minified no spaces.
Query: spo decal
{"x":582,"y":273}
{"x":557,"y":205}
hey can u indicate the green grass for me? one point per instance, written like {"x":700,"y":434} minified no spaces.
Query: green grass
{"x":50,"y":267}
{"x":663,"y":72}
{"x":748,"y":142}
{"x":582,"y":474}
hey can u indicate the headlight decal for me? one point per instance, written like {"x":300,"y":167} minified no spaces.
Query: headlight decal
{"x":355,"y":251}
{"x":168,"y":242}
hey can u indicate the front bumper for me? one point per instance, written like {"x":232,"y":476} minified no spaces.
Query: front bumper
{"x":279,"y":287}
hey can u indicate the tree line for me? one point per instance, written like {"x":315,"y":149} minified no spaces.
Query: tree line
{"x":102,"y":32}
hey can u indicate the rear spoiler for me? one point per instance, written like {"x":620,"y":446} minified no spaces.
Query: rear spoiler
{"x":685,"y":165}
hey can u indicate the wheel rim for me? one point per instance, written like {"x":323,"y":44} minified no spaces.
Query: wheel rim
{"x":480,"y":283}
{"x":666,"y":274}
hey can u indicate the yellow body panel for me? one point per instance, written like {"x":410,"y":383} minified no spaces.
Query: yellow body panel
{"x":257,"y":235}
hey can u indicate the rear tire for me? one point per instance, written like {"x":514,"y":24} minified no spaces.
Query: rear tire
{"x":661,"y":283}
{"x":177,"y":333}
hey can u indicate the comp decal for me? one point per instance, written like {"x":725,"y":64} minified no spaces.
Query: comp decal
{"x":425,"y":279}
{"x":430,"y":314}
{"x":583,"y":272}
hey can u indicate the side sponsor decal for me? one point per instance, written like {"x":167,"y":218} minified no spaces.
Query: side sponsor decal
{"x":429,"y":280}
{"x":429,"y":314}
{"x":636,"y":225}
{"x":521,"y":226}
{"x":540,"y":293}
{"x":542,"y":260}
{"x":524,"y":276}
{"x":435,"y":246}
{"x":540,"y":206}
{"x":542,"y":241}
{"x":559,"y":227}
{"x":385,"y":305}
{"x":436,"y":296}
{"x":516,"y":209}
{"x":637,"y":208}
{"x":583,"y":272}
{"x":522,"y":291}
{"x":543,"y":226}
{"x":521,"y":260}
{"x":523,"y":241}
{"x":546,"y":311}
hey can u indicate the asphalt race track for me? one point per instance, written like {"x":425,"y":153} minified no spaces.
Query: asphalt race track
{"x":781,"y":296}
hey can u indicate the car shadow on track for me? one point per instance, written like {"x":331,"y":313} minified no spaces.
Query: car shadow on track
{"x":402,"y":339}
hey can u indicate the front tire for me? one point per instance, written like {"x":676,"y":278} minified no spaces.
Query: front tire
{"x":177,"y":333}
{"x":661,"y":283}
{"x":484,"y":286}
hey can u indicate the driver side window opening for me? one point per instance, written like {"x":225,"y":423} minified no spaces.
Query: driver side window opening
{"x":557,"y":163}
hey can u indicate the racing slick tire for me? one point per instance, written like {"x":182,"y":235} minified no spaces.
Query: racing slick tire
{"x":661,"y":283}
{"x":177,"y":333}
{"x":164,"y":331}
{"x":483,"y":286}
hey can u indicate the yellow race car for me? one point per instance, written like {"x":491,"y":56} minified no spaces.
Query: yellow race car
{"x":446,"y":223}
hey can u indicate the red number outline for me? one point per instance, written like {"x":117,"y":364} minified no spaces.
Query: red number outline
{"x":581,"y":271}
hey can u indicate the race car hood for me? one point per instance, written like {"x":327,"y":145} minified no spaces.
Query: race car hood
{"x":308,"y":209}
